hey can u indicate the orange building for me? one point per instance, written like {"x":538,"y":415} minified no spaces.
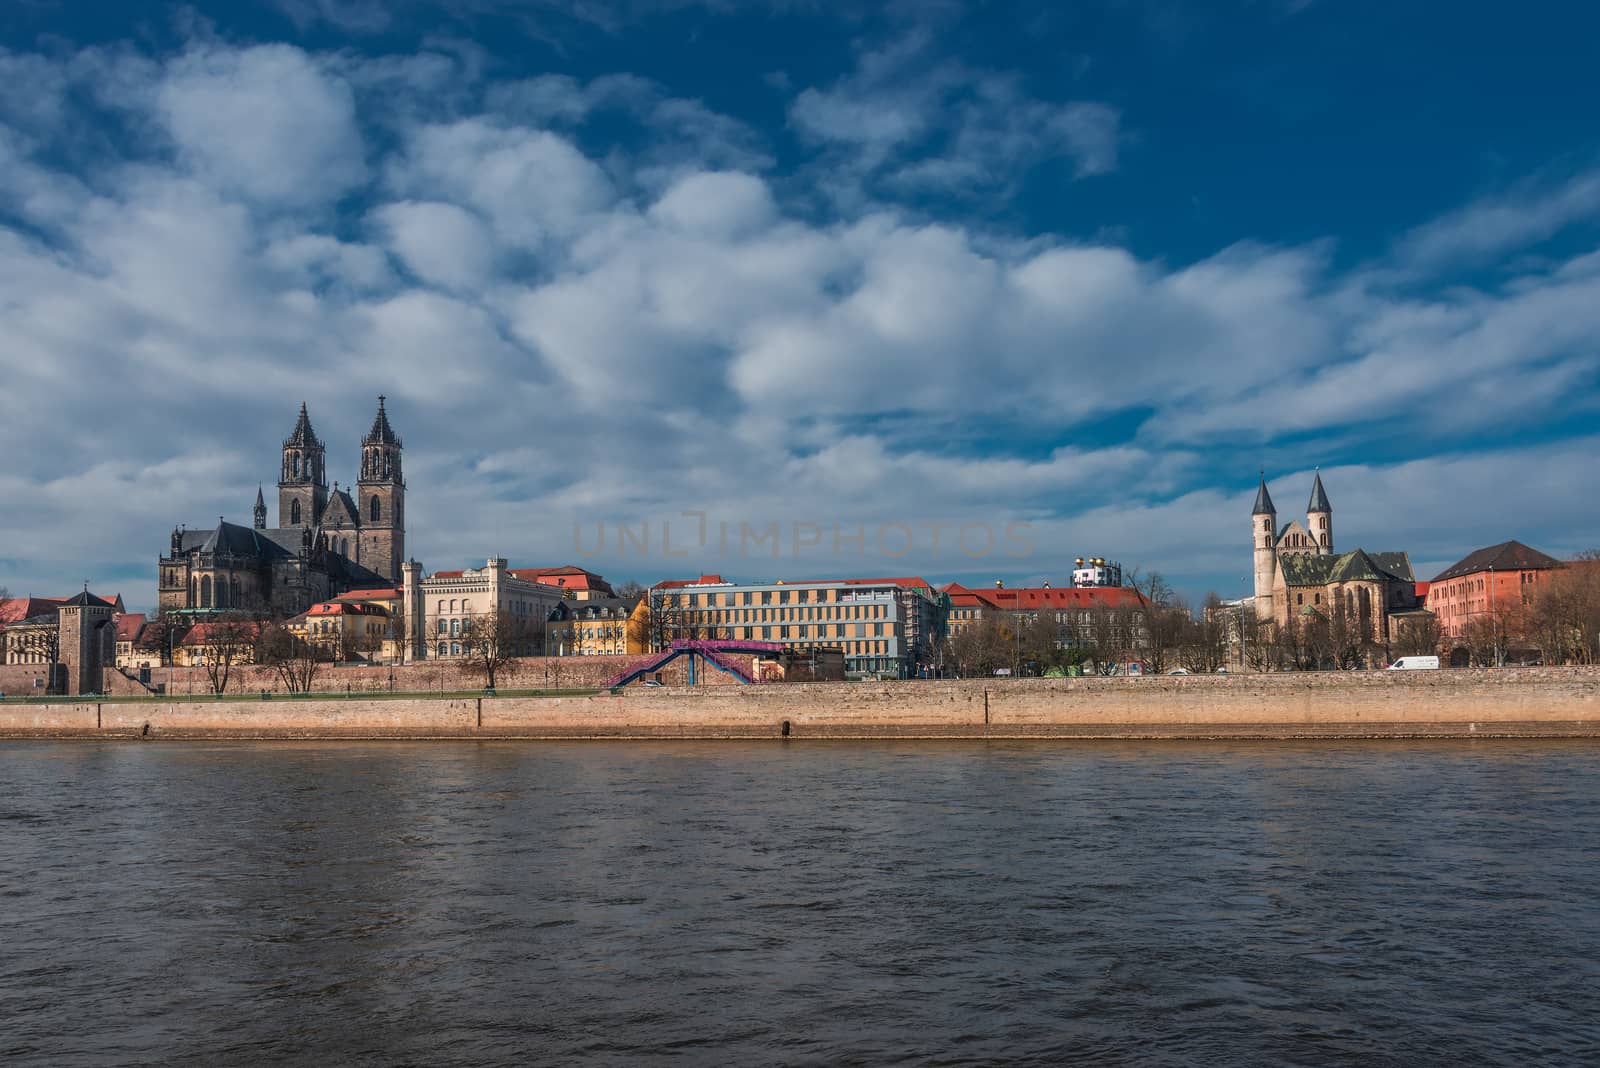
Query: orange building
{"x":1491,"y":585}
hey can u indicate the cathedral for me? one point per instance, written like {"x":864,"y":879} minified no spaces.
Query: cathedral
{"x":326,"y":542}
{"x":1299,"y":574}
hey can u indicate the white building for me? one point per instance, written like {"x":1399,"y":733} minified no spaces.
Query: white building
{"x":444,"y":602}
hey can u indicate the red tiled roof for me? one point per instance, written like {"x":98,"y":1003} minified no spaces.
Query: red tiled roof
{"x":1422,"y":591}
{"x":385,"y":593}
{"x":910,"y":583}
{"x":201,"y":632}
{"x":337,"y":608}
{"x":16,"y":609}
{"x":129,"y":624}
{"x":1029,"y":599}
{"x":703,"y":580}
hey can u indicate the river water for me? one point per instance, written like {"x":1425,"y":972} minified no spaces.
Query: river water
{"x":824,"y":904}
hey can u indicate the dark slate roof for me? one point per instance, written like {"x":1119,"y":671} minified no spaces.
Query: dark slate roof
{"x":1357,"y":565}
{"x":1507,"y":556}
{"x":86,"y":600}
{"x":287,"y":539}
{"x":1264,"y":500}
{"x":232,"y":538}
{"x":347,"y":574}
{"x":1319,"y":497}
{"x":381,"y":433}
{"x":303,"y":435}
{"x":596,"y":608}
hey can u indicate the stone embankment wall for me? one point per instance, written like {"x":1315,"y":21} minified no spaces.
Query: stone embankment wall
{"x":531,"y":673}
{"x":1559,"y":702}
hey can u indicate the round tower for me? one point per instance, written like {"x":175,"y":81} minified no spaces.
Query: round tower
{"x":1264,"y":522}
{"x":1319,"y":517}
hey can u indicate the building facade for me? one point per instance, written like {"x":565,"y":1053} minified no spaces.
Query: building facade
{"x":324,"y":544}
{"x":440,"y":608}
{"x":600,"y":626}
{"x":1492,"y":586}
{"x":886,"y":628}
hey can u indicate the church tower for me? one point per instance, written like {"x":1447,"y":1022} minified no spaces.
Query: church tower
{"x":1319,"y":517}
{"x":381,"y":497}
{"x":259,"y":513}
{"x":1265,"y":522}
{"x":303,"y":483}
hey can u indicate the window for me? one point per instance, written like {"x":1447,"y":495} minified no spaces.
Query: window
{"x":444,"y":626}
{"x":205,"y":592}
{"x":374,"y":509}
{"x":294,"y":510}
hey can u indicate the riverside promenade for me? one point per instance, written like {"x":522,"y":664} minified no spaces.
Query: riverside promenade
{"x":1466,"y":703}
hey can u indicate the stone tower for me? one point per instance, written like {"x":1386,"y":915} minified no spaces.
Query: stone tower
{"x":1319,"y":517}
{"x":381,"y":497}
{"x":259,"y":512}
{"x":1264,"y":519}
{"x":82,"y":642}
{"x":303,"y":484}
{"x":412,"y":610}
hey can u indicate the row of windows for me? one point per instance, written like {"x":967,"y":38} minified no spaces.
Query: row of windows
{"x":808,"y":613}
{"x":756,"y":597}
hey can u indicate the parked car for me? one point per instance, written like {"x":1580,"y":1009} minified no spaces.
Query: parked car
{"x":1178,"y":671}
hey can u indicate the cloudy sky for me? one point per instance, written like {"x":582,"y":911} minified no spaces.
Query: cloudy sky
{"x":956,"y":289}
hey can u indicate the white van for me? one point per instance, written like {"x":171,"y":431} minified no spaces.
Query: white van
{"x":1415,"y":663}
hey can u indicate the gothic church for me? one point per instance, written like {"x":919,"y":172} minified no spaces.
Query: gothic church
{"x":325,"y":543}
{"x":1298,"y":573}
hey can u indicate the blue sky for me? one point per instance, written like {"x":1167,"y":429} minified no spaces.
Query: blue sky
{"x":902,"y":269}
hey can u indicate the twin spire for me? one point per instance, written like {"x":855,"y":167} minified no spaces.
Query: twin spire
{"x":380,"y":434}
{"x":1319,"y":498}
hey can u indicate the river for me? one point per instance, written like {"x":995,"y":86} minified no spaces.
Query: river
{"x":800,"y":903}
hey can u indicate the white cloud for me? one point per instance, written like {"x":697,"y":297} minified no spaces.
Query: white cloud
{"x":266,"y":122}
{"x":904,"y":123}
{"x":1502,"y":223}
{"x":441,"y":244}
{"x":533,"y":187}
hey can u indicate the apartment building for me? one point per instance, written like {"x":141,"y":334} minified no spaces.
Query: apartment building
{"x":886,"y":628}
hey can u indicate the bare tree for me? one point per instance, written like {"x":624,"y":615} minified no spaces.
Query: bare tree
{"x":1564,"y":618}
{"x":227,"y":641}
{"x":1415,"y":634}
{"x":1204,"y":647}
{"x":631,"y":589}
{"x":491,"y":643}
{"x":295,"y":660}
{"x":670,"y":620}
{"x":981,"y":647}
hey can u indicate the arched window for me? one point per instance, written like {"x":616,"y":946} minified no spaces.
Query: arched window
{"x":296,"y":465}
{"x":374,"y":509}
{"x":294,"y":513}
{"x":205,"y":592}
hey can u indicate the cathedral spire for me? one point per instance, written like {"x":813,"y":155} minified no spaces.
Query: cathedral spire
{"x":1264,"y":499}
{"x":1319,"y":496}
{"x":381,"y":433}
{"x":303,"y":435}
{"x":260,"y":510}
